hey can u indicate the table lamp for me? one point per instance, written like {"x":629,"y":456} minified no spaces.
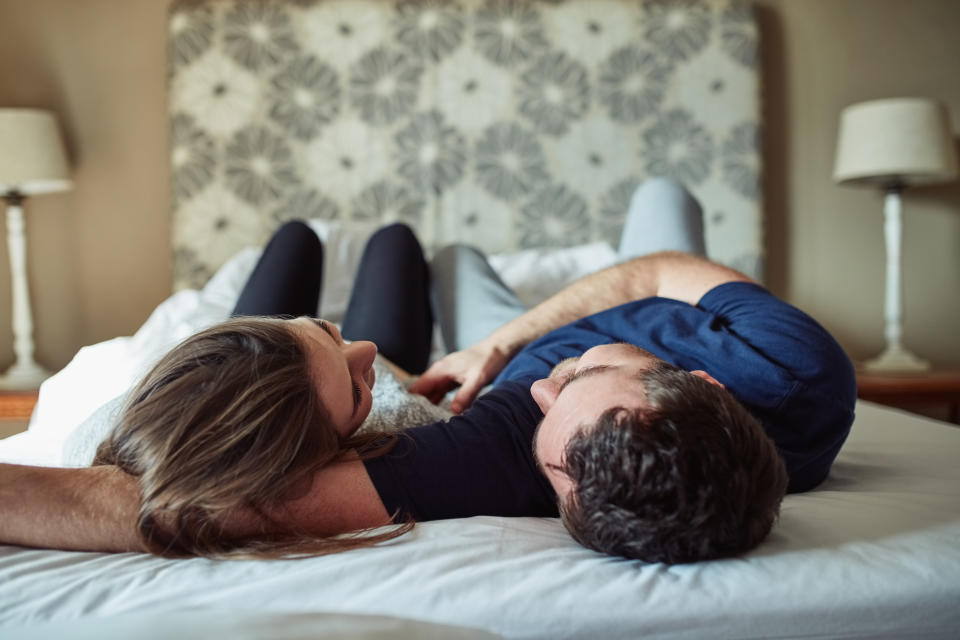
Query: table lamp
{"x":892,"y":144}
{"x":32,"y":161}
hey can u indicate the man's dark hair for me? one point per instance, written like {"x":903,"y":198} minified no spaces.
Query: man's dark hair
{"x":693,"y":476}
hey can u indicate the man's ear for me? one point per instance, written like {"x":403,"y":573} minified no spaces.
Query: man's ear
{"x":545,"y":393}
{"x":706,"y":376}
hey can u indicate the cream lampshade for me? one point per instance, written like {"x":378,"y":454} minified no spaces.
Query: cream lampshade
{"x":892,"y":144}
{"x":32,"y":161}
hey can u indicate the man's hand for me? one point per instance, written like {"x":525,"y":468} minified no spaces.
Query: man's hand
{"x":471,"y":369}
{"x":667,"y":274}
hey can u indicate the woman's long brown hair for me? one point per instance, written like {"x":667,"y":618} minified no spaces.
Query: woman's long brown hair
{"x":219,"y":433}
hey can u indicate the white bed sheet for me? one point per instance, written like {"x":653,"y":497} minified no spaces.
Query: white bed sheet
{"x":874,"y":552}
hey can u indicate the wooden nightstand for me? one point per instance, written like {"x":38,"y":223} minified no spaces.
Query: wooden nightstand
{"x":15,"y":410}
{"x":908,"y":390}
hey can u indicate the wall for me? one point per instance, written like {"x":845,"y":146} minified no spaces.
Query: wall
{"x":98,"y":255}
{"x":825,"y":242}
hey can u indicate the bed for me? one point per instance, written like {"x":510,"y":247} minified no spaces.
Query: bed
{"x":453,"y":118}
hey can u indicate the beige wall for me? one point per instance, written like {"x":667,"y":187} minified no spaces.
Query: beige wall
{"x":825,"y":242}
{"x":99,"y":255}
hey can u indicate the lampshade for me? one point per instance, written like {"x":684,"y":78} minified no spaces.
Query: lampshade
{"x":896,"y":141}
{"x":32,"y":158}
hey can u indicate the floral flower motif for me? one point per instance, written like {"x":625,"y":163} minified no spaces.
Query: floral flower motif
{"x":257,"y":34}
{"x":215,"y":225}
{"x":509,"y":32}
{"x":307,"y":96}
{"x":189,"y":271}
{"x":739,"y":159}
{"x":470,"y":214}
{"x":259,"y":165}
{"x":480,"y":91}
{"x":632,"y":83}
{"x":306,"y":204}
{"x":220,"y":95}
{"x":346,"y":156}
{"x":553,"y":92}
{"x":677,"y":147}
{"x":510,"y":161}
{"x":191,"y":32}
{"x":430,"y":29}
{"x":431,"y":154}
{"x":613,"y":210}
{"x":554,"y":217}
{"x":677,"y":28}
{"x":590,"y":157}
{"x":193,"y":156}
{"x":593,"y":29}
{"x":738,"y":33}
{"x":388,"y":202}
{"x":384,"y":85}
{"x":341,"y":32}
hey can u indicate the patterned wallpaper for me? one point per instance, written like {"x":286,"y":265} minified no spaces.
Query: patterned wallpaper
{"x":503,"y":123}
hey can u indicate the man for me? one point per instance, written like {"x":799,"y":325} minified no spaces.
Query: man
{"x":657,"y":452}
{"x":660,"y":381}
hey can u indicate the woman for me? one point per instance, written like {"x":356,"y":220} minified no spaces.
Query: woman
{"x":234,"y":421}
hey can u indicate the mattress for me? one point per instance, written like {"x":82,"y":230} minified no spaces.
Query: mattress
{"x":873,"y":552}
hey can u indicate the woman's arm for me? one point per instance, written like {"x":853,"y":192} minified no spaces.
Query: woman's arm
{"x":95,"y":508}
{"x":90,"y":509}
{"x":336,"y":499}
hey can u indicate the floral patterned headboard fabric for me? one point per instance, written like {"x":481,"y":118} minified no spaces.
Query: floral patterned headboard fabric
{"x":506,"y":124}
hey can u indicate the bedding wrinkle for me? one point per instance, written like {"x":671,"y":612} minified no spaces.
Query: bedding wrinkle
{"x":885,"y":522}
{"x":492,"y":572}
{"x":872,"y":552}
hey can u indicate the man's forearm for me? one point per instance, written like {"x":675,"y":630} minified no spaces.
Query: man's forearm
{"x":669,"y":274}
{"x":595,"y":292}
{"x":91,"y":509}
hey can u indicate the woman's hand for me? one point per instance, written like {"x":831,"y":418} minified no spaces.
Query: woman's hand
{"x":471,"y":369}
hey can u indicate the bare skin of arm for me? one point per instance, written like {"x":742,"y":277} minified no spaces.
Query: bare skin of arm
{"x":92,"y":509}
{"x":673,"y":275}
{"x":95,"y":509}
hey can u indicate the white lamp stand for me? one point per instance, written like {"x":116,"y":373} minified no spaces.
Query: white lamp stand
{"x":894,"y":357}
{"x":894,"y":143}
{"x":32,"y":161}
{"x":25,"y":372}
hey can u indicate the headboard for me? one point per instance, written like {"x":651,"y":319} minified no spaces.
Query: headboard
{"x":506,"y":124}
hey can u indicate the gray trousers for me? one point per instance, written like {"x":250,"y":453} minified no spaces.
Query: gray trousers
{"x":471,"y":301}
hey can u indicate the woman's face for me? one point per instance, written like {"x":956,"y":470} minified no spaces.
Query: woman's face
{"x":343,"y":372}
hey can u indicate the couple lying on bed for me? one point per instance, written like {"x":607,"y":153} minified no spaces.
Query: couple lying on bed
{"x":661,"y":408}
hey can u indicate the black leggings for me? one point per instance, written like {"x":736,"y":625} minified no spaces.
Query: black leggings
{"x":390,"y":301}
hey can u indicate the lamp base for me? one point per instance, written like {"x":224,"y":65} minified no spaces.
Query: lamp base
{"x":23,"y":376}
{"x":896,"y":359}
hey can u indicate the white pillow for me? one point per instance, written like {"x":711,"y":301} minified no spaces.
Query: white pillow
{"x":536,"y":274}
